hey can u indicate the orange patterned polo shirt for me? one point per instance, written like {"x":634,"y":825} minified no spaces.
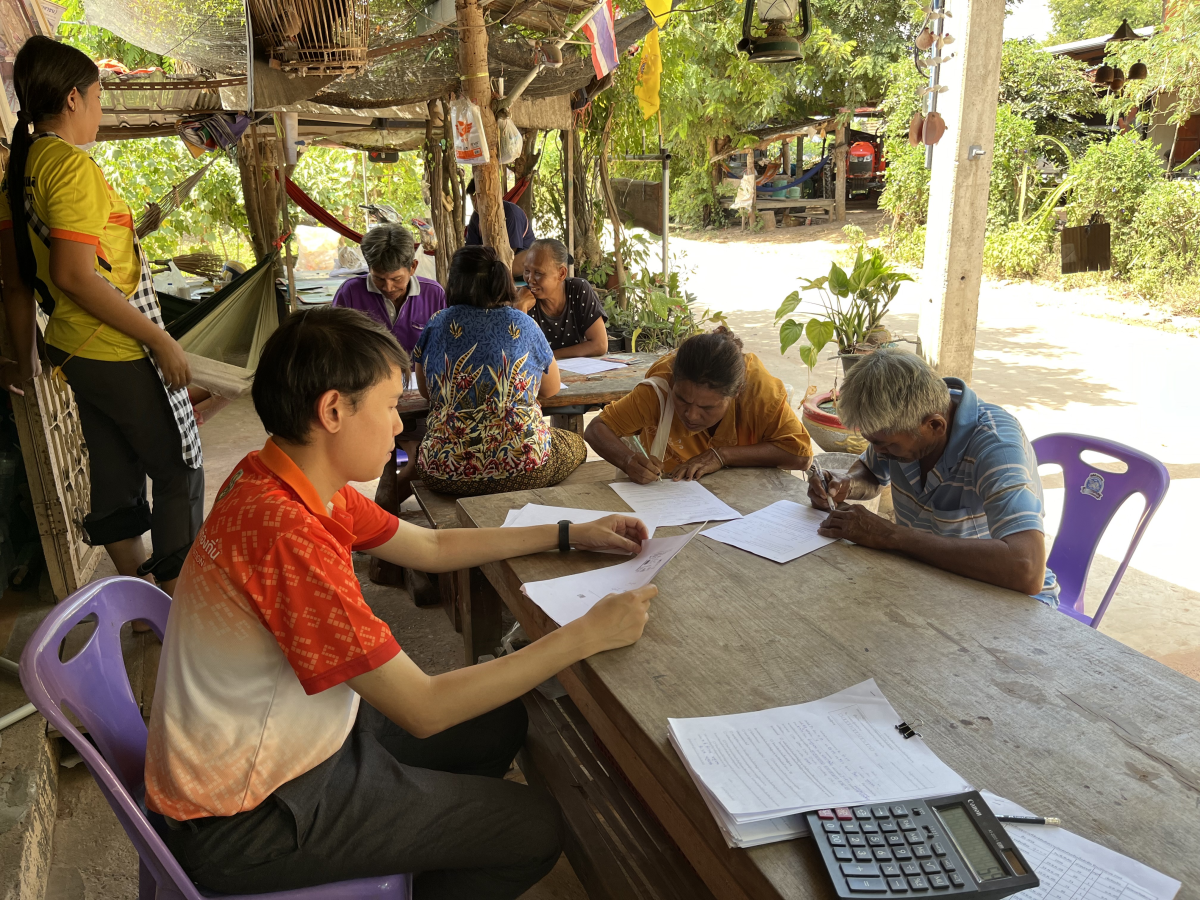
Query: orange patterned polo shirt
{"x":267,"y":625}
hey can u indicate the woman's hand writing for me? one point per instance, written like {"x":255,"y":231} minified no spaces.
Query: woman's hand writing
{"x":643,"y":469}
{"x":617,"y":532}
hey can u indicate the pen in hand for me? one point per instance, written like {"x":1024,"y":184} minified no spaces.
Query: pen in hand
{"x":637,"y":444}
{"x":823,"y":481}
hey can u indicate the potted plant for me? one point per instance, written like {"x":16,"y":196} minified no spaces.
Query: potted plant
{"x":853,"y":303}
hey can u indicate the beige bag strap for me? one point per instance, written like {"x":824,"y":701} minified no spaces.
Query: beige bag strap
{"x":666,"y":405}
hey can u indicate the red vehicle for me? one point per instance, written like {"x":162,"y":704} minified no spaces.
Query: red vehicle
{"x":864,"y":168}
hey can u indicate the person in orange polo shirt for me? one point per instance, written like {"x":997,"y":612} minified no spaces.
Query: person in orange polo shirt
{"x":707,"y":406}
{"x":292,"y":742}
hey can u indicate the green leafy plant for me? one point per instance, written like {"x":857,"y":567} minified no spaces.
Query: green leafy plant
{"x":853,"y":303}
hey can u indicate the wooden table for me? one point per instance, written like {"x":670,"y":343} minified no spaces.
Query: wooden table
{"x":578,"y":392}
{"x":1016,"y":697}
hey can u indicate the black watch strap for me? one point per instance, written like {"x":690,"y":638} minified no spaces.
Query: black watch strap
{"x":564,"y":536}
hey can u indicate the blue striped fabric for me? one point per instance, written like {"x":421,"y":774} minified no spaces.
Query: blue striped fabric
{"x":985,"y":485}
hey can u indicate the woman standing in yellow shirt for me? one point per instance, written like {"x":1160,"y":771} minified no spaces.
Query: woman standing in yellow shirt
{"x":67,"y":242}
{"x":707,"y":406}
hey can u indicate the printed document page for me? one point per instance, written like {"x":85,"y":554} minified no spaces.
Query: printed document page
{"x":586,"y":365}
{"x":781,"y":532}
{"x":843,"y":750}
{"x":1071,"y":867}
{"x":675,"y":502}
{"x":536,"y":514}
{"x":567,"y":598}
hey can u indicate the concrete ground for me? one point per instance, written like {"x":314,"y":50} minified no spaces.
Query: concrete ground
{"x":1061,"y":362}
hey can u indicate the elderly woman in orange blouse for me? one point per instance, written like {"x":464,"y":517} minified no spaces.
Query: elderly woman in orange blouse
{"x":707,"y":406}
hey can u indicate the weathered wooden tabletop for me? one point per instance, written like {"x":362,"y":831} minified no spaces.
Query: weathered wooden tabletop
{"x":577,"y":390}
{"x":1016,"y":697}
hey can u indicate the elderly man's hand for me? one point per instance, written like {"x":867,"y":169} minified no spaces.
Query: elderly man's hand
{"x":860,"y":525}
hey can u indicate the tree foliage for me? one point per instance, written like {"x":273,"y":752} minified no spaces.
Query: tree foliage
{"x":1048,"y":90}
{"x":1172,"y":58}
{"x":1077,"y":20}
{"x":334,"y":178}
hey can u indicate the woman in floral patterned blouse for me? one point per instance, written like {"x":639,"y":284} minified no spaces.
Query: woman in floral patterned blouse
{"x":483,"y":366}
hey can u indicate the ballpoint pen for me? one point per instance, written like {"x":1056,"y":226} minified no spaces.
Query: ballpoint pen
{"x":820,"y":473}
{"x":637,"y":445}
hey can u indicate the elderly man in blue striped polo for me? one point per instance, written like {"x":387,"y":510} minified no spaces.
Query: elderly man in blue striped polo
{"x":964,"y":477}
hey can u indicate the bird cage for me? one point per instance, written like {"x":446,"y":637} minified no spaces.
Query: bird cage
{"x":312,"y":37}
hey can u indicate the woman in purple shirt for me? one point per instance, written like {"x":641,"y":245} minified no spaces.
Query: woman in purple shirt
{"x":393,"y":295}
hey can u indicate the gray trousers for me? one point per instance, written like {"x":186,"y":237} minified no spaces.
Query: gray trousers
{"x":130,"y":434}
{"x":388,"y":803}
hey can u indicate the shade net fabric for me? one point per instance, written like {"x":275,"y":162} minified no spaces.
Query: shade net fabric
{"x":209,"y":34}
{"x":224,"y":335}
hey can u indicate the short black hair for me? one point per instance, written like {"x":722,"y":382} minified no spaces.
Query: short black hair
{"x":478,"y":278}
{"x":715,"y":360}
{"x":319,"y":350}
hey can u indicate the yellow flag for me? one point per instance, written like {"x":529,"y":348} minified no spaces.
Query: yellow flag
{"x":649,"y":75}
{"x":650,"y":67}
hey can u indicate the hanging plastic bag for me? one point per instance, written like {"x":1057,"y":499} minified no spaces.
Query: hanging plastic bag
{"x":511,"y":142}
{"x":428,"y":236}
{"x":470,"y":144}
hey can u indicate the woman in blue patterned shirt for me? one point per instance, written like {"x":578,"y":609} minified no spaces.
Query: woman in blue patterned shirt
{"x":483,"y":366}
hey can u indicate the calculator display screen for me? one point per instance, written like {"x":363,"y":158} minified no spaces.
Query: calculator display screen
{"x":970,"y":843}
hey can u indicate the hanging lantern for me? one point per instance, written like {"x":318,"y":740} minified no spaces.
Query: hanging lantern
{"x":777,"y":45}
{"x":1137,"y":71}
{"x":1104,"y":75}
{"x":1118,"y":81}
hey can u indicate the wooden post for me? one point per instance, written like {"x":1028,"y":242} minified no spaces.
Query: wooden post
{"x":454,"y":183}
{"x":750,"y":167}
{"x":839,"y":162}
{"x":787,"y":160}
{"x":958,"y":193}
{"x":799,"y":154}
{"x":477,"y":85}
{"x":569,"y":144}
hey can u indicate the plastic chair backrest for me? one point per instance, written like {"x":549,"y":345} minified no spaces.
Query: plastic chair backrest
{"x":95,"y":687}
{"x":1093,"y":497}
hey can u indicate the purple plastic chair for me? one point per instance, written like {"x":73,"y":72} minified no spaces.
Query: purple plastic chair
{"x":94,"y":686}
{"x":1092,"y":499}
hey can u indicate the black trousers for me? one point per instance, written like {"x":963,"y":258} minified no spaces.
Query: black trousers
{"x":388,"y":803}
{"x":130,"y":433}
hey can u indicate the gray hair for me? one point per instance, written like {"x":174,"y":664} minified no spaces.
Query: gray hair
{"x":556,"y":249}
{"x":891,"y":392}
{"x":389,"y":247}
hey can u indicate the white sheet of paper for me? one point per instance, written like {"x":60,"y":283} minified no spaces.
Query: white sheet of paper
{"x":675,"y":502}
{"x":411,"y":383}
{"x":536,"y":514}
{"x":781,"y":532}
{"x":1071,"y":867}
{"x":586,"y":365}
{"x":567,"y":598}
{"x":843,"y":750}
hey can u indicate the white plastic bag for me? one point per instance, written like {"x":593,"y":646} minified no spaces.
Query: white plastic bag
{"x":470,"y":144}
{"x":511,"y":142}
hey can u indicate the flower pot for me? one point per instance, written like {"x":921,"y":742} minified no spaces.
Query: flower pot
{"x":849,"y":360}
{"x":820,"y":418}
{"x":619,"y":342}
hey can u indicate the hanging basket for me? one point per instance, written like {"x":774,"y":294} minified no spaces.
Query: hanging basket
{"x":312,"y":37}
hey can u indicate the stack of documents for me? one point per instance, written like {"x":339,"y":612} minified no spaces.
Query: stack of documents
{"x":674,"y":502}
{"x":781,"y":532}
{"x":567,"y":598}
{"x":536,"y":514}
{"x":759,"y":771}
{"x":1071,"y":867}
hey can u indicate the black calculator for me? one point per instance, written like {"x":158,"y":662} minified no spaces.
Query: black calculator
{"x":941,"y":845}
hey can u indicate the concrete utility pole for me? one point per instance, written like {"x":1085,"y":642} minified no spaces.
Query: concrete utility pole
{"x":477,"y":86}
{"x":958,"y":191}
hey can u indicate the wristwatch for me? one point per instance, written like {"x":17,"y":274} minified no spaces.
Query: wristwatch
{"x":564,"y":535}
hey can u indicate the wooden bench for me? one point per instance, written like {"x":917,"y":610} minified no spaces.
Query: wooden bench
{"x":616,"y":846}
{"x":468,"y":598}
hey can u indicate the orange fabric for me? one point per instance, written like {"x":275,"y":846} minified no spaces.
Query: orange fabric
{"x":760,"y":414}
{"x":267,"y":625}
{"x":76,"y":236}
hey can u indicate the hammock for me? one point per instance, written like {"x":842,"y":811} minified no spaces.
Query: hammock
{"x":223,"y":336}
{"x":318,"y":212}
{"x":156,"y":212}
{"x":803,"y":178}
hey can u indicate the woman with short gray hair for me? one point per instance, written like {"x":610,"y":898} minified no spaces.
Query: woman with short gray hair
{"x":964,"y":478}
{"x":566,"y":309}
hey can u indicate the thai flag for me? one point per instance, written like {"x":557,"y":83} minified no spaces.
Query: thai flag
{"x":601,"y":32}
